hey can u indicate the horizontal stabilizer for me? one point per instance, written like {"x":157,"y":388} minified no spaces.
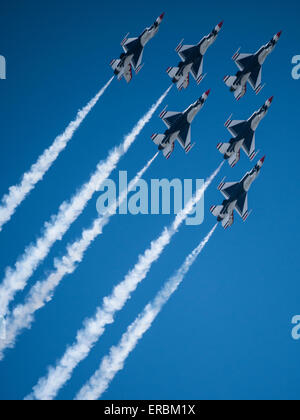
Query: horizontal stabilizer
{"x":239,"y":93}
{"x":168,"y":150}
{"x":183,"y":82}
{"x":228,"y":221}
{"x":223,"y":147}
{"x":234,"y":158}
{"x":127,"y":73}
{"x":114,"y":64}
{"x":229,"y":80}
{"x":172,"y":71}
{"x":216,"y":210}
{"x":157,"y":138}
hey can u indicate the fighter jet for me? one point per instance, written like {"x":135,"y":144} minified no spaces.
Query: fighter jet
{"x":244,"y":136}
{"x":250,"y":68}
{"x":236,"y":197}
{"x":192,"y":56}
{"x":179,"y":127}
{"x":133,"y":52}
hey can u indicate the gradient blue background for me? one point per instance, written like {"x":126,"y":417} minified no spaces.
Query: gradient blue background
{"x":226,"y":333}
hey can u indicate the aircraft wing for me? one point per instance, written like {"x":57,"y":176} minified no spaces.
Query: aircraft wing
{"x":184,"y":137}
{"x":242,"y":205}
{"x":170,"y":117}
{"x":226,"y":223}
{"x":168,"y":150}
{"x":133,"y":46}
{"x":236,"y":127}
{"x":129,"y":44}
{"x":234,"y":158}
{"x":197,"y":68}
{"x":137,"y":58}
{"x":186,"y":51}
{"x":128,"y":73}
{"x":229,"y":189}
{"x":255,"y":78}
{"x":249,"y":144}
{"x":243,"y":60}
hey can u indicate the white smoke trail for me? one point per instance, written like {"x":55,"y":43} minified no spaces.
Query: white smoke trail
{"x":42,"y":292}
{"x":114,"y":362}
{"x":48,"y":387}
{"x":16,"y":279}
{"x":18,"y":193}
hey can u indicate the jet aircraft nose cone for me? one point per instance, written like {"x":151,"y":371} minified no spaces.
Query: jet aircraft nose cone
{"x":162,"y":15}
{"x":207,"y":92}
{"x":279,"y":34}
{"x":271,"y":99}
{"x":221,"y":24}
{"x":262,"y":159}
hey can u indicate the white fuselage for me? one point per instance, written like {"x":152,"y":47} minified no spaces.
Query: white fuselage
{"x":192,"y":111}
{"x":206,"y":42}
{"x":249,"y":178}
{"x":263,"y":53}
{"x":256,"y":118}
{"x":148,"y":34}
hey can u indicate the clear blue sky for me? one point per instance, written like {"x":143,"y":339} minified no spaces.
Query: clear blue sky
{"x":226,"y":333}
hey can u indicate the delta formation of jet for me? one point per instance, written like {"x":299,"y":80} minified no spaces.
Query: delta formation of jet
{"x":244,"y":136}
{"x":133,"y":52}
{"x":192,"y":56}
{"x":236,"y":197}
{"x":250,"y":68}
{"x":179,"y":127}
